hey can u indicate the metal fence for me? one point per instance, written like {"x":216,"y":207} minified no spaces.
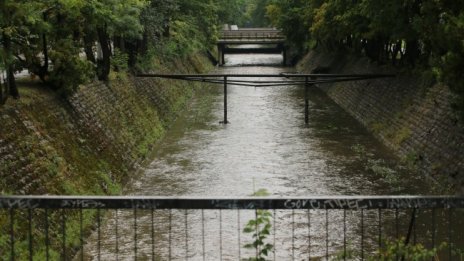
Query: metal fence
{"x":167,"y":228}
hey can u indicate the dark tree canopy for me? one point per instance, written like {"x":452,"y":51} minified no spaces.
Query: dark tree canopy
{"x":423,"y":34}
{"x":70,"y":42}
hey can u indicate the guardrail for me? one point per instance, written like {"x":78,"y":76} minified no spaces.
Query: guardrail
{"x":250,"y":34}
{"x":181,"y":228}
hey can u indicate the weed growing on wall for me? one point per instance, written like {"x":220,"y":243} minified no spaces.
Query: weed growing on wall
{"x":376,"y":166}
{"x":400,"y":249}
{"x":394,"y":250}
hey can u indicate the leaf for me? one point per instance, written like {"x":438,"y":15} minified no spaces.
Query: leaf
{"x":248,"y":230}
{"x":249,"y":246}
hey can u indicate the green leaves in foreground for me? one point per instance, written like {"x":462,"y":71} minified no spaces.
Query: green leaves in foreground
{"x":260,"y":226}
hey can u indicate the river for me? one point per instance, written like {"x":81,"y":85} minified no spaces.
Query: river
{"x":266,"y":146}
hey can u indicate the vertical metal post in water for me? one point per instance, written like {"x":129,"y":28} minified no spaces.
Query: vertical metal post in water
{"x":225,"y":101}
{"x":306,"y":100}
{"x":219,"y":58}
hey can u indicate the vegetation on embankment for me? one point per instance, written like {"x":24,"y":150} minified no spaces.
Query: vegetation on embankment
{"x":71,"y":134}
{"x":88,"y":143}
{"x":64,"y":139}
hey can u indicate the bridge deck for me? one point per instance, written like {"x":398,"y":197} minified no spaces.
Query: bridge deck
{"x":250,"y":41}
{"x":252,"y":35}
{"x":261,"y":36}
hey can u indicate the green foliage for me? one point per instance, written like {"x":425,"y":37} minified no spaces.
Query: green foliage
{"x":292,"y":18}
{"x":402,"y":135}
{"x":256,"y":13}
{"x":393,"y":250}
{"x":457,"y":252}
{"x":184,"y":39}
{"x":350,"y":254}
{"x":377,"y":166}
{"x":410,"y":160}
{"x":232,"y":12}
{"x":260,"y":227}
{"x":119,"y":63}
{"x":398,"y":248}
{"x":69,"y":71}
{"x":38,"y":34}
{"x":424,"y":34}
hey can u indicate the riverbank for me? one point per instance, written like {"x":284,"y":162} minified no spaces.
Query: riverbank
{"x":87,"y":144}
{"x":411,"y":117}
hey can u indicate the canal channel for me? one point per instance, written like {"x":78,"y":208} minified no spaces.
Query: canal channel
{"x":266,"y":146}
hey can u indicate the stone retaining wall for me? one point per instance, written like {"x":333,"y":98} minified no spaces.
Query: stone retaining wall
{"x":88,"y":143}
{"x":416,"y":121}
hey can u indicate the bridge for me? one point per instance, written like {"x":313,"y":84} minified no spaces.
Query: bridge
{"x":271,"y":39}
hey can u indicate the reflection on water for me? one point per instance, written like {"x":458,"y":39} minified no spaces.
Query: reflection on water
{"x":266,"y":145}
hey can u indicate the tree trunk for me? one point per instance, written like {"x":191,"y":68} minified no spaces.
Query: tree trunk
{"x":132,"y":50}
{"x":412,"y":51}
{"x":2,"y":98}
{"x":167,"y":31}
{"x":12,"y":82}
{"x":105,"y":63}
{"x":12,"y":89}
{"x":45,"y":48}
{"x":396,"y":51}
{"x":88,"y":47}
{"x":143,"y":44}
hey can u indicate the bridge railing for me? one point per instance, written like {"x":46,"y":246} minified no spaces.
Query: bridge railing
{"x":181,"y":228}
{"x":252,"y":34}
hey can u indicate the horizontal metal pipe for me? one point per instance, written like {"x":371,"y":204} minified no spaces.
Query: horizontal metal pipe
{"x":286,"y":75}
{"x":268,"y":83}
{"x":311,"y":202}
{"x":217,"y":82}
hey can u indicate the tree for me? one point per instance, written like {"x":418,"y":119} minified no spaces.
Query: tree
{"x":290,"y":16}
{"x":232,"y":12}
{"x":156,"y":18}
{"x":256,"y":13}
{"x":102,"y":20}
{"x":17,"y":20}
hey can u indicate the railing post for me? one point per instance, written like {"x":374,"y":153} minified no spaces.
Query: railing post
{"x":306,"y":100}
{"x":225,"y":101}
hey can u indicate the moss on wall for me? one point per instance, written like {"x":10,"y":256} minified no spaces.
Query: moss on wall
{"x":87,"y":144}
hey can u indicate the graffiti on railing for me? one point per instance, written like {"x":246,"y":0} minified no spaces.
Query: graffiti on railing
{"x":373,"y":202}
{"x":18,"y":203}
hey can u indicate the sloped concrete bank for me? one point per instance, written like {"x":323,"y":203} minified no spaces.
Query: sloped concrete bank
{"x":414,"y":120}
{"x":88,"y":143}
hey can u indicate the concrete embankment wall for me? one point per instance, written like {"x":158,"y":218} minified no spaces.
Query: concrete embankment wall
{"x":414,"y":120}
{"x":88,"y":143}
